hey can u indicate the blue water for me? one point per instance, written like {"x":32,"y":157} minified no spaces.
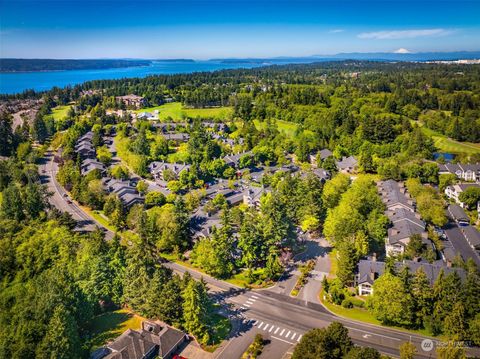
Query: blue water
{"x":446,"y":156}
{"x":18,"y":82}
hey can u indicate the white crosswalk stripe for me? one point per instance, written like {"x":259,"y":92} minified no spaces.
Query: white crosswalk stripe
{"x":288,"y":334}
{"x":247,"y":305}
{"x":249,"y":301}
{"x":299,"y":337}
{"x":255,"y":322}
{"x":260,"y":326}
{"x":254,"y":296}
{"x":278,"y":328}
{"x":282,"y":332}
{"x":271,"y":329}
{"x":293,"y":336}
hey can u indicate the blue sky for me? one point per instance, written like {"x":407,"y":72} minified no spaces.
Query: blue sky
{"x":203,"y":29}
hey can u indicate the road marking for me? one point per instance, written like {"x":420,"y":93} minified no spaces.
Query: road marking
{"x":249,"y":301}
{"x":278,"y":328}
{"x":254,"y":296}
{"x":366,"y":336}
{"x":293,"y":336}
{"x":242,"y":308}
{"x":379,"y":335}
{"x":260,"y":326}
{"x":282,"y":340}
{"x":266,"y":327}
{"x":288,"y":334}
{"x":247,"y":305}
{"x":255,"y":322}
{"x":300,"y":337}
{"x":282,"y":332}
{"x":273,"y":326}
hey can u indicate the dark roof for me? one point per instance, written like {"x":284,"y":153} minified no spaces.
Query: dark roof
{"x":131,"y":345}
{"x":472,"y":235}
{"x":394,"y":193}
{"x":367,"y":269}
{"x":458,"y":213}
{"x":402,"y":229}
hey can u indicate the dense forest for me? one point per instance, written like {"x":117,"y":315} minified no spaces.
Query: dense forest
{"x":31,"y":65}
{"x":381,"y":113}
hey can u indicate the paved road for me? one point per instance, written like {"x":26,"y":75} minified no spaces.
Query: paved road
{"x":280,"y":318}
{"x":59,"y":198}
{"x":284,"y":320}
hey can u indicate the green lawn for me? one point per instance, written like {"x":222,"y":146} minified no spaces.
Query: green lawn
{"x":286,"y":127}
{"x":221,"y":329}
{"x":363,"y":315}
{"x":177,"y":112}
{"x":445,"y":144}
{"x":110,"y":325}
{"x":60,"y":112}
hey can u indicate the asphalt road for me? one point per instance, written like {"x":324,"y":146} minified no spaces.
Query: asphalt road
{"x":284,"y":320}
{"x":280,"y":318}
{"x":59,"y":198}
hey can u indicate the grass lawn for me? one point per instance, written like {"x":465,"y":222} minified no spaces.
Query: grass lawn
{"x":363,"y":315}
{"x":288,"y":128}
{"x":99,"y":217}
{"x":445,"y":144}
{"x":177,"y":112}
{"x":110,"y":325}
{"x":221,"y":329}
{"x":60,"y":112}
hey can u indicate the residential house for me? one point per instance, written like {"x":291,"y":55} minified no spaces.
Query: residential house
{"x":458,"y":215}
{"x":473,"y":236}
{"x":403,"y":228}
{"x":369,"y":270}
{"x":347,"y":165}
{"x":88,"y":165}
{"x":132,"y":101}
{"x":394,"y":194}
{"x":454,"y":191}
{"x":466,"y":172}
{"x":177,"y":137}
{"x":154,"y":339}
{"x":233,"y":160}
{"x":252,"y":195}
{"x":320,"y":155}
{"x":127,"y":193}
{"x":157,"y":169}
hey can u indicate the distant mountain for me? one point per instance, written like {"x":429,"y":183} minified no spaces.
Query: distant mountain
{"x":402,"y":55}
{"x":35,"y":65}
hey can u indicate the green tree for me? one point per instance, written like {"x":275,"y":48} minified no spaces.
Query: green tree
{"x":333,"y":190}
{"x":332,"y":342}
{"x":61,"y":339}
{"x":470,"y":197}
{"x":390,"y":302}
{"x":197,"y":310}
{"x":407,"y":350}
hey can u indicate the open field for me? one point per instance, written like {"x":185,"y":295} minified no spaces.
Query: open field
{"x":59,"y":112}
{"x":445,"y":144}
{"x":110,"y":325}
{"x":288,"y":128}
{"x":177,"y":112}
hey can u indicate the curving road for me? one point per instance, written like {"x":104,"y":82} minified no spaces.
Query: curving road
{"x":278,"y":317}
{"x":60,"y":199}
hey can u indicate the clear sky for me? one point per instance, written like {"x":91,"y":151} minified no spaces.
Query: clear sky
{"x":203,"y":29}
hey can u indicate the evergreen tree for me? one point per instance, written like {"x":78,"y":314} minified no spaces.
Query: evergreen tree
{"x":196,"y":310}
{"x":61,"y":341}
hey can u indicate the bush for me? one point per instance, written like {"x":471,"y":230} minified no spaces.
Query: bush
{"x":347,"y":303}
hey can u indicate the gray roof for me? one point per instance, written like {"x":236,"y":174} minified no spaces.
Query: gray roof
{"x":367,"y":269}
{"x":394,"y":193}
{"x":157,"y":166}
{"x":176,"y":136}
{"x":233,"y":159}
{"x":325,"y":153}
{"x":399,"y":214}
{"x":403,"y":229}
{"x":458,"y":213}
{"x":347,"y":162}
{"x":458,"y":167}
{"x":131,"y":345}
{"x":472,"y":235}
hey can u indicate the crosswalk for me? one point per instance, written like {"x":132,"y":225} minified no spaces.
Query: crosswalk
{"x":249,"y":302}
{"x":274,"y":330}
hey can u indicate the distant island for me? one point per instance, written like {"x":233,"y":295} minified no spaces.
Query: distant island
{"x":38,"y":65}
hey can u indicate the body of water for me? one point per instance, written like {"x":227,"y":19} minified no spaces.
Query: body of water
{"x":11,"y":83}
